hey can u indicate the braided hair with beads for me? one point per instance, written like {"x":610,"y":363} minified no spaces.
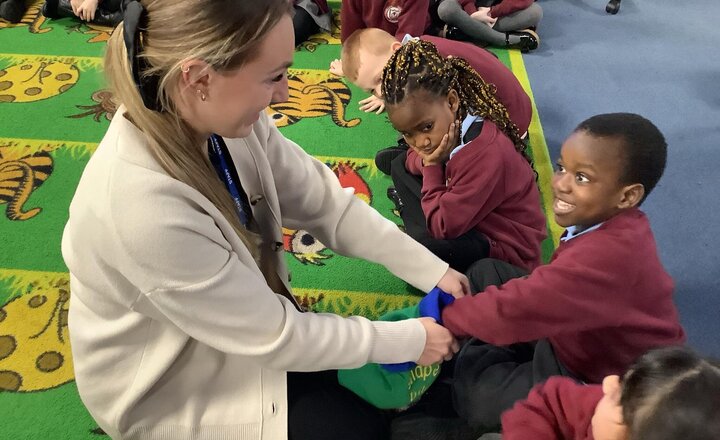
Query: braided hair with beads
{"x":417,"y":65}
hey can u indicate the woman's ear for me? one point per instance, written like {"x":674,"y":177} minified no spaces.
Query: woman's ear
{"x":195,"y":75}
{"x":453,"y":101}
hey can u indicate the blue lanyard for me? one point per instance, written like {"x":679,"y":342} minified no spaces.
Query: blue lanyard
{"x":217,"y":152}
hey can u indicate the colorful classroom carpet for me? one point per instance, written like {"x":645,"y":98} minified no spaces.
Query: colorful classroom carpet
{"x":54,"y":111}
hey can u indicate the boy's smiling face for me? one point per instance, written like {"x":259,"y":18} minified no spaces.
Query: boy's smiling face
{"x":587,"y":184}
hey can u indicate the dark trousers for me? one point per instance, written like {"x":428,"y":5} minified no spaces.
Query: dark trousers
{"x":489,"y":379}
{"x":459,"y":252}
{"x":319,"y":408}
{"x":304,"y":25}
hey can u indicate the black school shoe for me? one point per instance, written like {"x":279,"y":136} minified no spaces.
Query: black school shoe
{"x":454,"y":33}
{"x":395,"y":197}
{"x":529,"y":40}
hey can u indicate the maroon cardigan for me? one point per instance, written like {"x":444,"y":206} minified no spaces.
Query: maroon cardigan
{"x":602,"y":301}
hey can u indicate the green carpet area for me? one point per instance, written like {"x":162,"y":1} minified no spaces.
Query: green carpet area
{"x":53,"y":113}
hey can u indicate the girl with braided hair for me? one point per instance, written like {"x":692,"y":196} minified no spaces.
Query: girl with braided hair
{"x":466,"y":189}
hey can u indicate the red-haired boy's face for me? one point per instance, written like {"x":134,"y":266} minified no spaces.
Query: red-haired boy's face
{"x":586,"y":186}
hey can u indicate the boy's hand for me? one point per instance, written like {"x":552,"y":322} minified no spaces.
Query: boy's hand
{"x":336,"y":68}
{"x":86,"y":11}
{"x":483,"y":15}
{"x":442,"y":152}
{"x":440,"y":345}
{"x":372,"y":104}
{"x":454,"y":283}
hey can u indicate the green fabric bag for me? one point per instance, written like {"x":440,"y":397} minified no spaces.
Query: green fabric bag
{"x":386,"y":389}
{"x":398,"y":385}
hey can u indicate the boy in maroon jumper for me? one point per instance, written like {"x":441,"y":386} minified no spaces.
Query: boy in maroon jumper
{"x":603,"y":300}
{"x":668,"y":394}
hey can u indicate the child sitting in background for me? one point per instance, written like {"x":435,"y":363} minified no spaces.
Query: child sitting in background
{"x":668,"y":394}
{"x":477,"y":196}
{"x":398,"y":17}
{"x":100,"y":12}
{"x":501,"y":23}
{"x":602,"y":301}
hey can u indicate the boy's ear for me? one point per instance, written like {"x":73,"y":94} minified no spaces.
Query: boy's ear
{"x":631,"y":196}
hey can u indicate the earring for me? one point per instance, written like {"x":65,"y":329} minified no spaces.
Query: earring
{"x":201,"y":95}
{"x":184,"y":69}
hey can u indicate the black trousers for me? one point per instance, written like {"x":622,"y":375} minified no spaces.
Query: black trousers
{"x":489,"y":379}
{"x":304,"y":25}
{"x":319,"y":408}
{"x":459,"y":252}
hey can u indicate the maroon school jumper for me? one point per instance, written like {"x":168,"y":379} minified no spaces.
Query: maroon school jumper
{"x":602,"y":301}
{"x":490,"y":187}
{"x":397,"y":17}
{"x":559,"y":409}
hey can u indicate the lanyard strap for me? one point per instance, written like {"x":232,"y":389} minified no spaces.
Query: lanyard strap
{"x":220,"y":158}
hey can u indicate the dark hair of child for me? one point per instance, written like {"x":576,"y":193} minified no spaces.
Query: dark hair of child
{"x":671,"y":394}
{"x":417,"y":65}
{"x":644,"y":146}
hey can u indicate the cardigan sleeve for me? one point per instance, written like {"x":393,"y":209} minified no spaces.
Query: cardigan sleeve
{"x":311,"y":198}
{"x":188,"y":276}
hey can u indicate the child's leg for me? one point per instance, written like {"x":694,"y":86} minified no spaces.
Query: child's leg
{"x":319,"y":408}
{"x":488,"y":380}
{"x":527,"y":18}
{"x":304,"y":25}
{"x":492,"y":272}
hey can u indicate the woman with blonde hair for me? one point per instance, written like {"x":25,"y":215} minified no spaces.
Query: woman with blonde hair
{"x":182,"y":322}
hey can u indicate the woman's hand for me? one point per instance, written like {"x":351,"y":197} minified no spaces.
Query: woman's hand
{"x":336,"y":68}
{"x":87,"y":9}
{"x":440,"y":155}
{"x":454,"y":283}
{"x":372,"y":104}
{"x":440,"y":344}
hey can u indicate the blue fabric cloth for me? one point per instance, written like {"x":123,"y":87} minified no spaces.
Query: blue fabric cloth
{"x":430,"y":306}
